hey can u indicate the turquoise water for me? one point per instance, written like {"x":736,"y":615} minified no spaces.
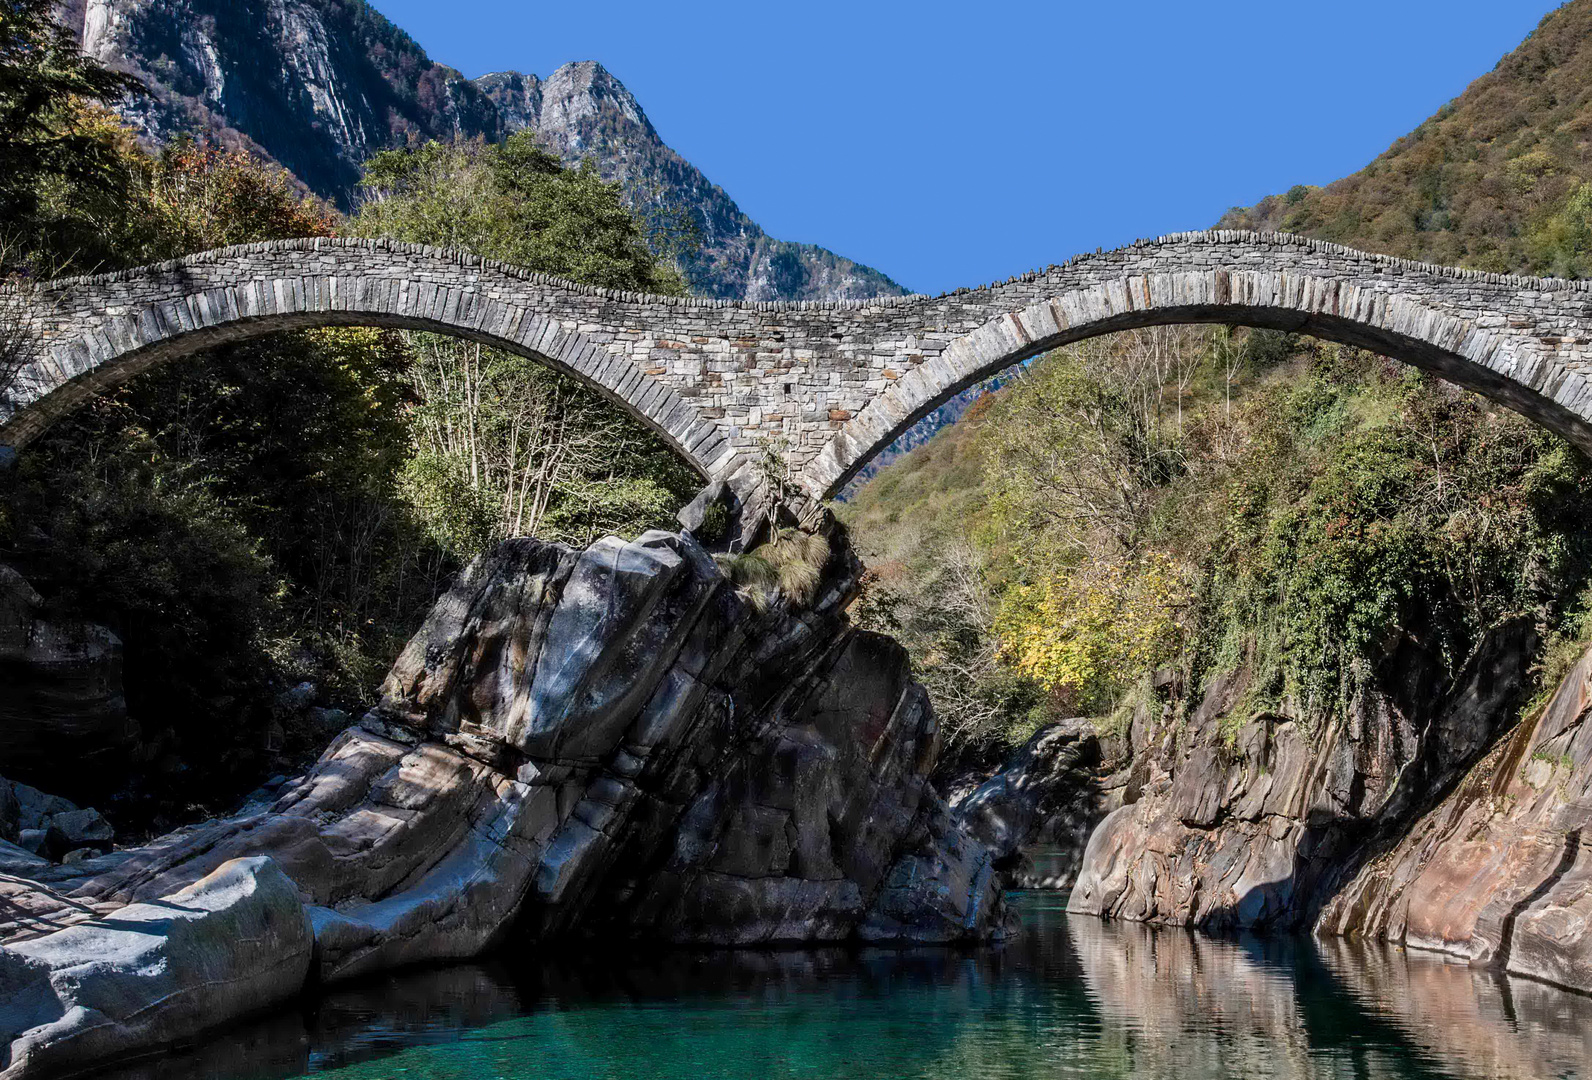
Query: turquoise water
{"x":1067,"y":998}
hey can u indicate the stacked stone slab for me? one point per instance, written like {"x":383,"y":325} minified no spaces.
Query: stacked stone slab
{"x":831,"y":383}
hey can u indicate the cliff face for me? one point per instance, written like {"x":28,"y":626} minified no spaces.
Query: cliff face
{"x":1500,"y":873}
{"x":1230,"y":818}
{"x":1427,"y":817}
{"x":320,"y":85}
{"x":616,"y":743}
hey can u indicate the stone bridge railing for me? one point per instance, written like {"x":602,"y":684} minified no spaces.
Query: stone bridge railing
{"x":832,"y":382}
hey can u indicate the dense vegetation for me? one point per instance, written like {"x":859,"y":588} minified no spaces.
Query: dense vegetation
{"x":286,"y":509}
{"x":1189,"y":502}
{"x":1201,"y":500}
{"x":504,"y":447}
{"x":1500,"y":179}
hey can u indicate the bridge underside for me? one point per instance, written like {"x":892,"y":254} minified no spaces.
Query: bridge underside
{"x":847,"y":447}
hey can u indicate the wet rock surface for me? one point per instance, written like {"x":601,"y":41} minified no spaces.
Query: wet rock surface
{"x":610,"y":743}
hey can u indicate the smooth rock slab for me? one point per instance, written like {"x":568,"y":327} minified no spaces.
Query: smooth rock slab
{"x":150,"y":974}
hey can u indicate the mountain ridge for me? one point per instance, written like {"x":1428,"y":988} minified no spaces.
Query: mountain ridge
{"x":1484,"y":183}
{"x":320,"y":85}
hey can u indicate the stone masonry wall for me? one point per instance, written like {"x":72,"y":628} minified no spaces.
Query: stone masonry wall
{"x":833,"y":381}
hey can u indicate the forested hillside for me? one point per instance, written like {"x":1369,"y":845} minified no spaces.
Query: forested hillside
{"x":1497,"y":180}
{"x":1166,"y":506}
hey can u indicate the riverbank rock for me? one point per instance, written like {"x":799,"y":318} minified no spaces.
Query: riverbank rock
{"x":1047,"y":794}
{"x":1234,"y":819}
{"x":234,"y":942}
{"x":602,"y":745}
{"x":1501,"y":872}
{"x":63,"y":687}
{"x":48,"y":825}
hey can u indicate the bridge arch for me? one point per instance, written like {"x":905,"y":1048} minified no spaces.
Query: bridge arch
{"x":92,"y":334}
{"x":832,"y":383}
{"x":1473,"y":351}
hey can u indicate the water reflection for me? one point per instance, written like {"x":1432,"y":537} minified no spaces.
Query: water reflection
{"x":1475,"y":1022}
{"x":1067,"y":998}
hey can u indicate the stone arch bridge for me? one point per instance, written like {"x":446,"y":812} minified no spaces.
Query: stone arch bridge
{"x":836,"y":381}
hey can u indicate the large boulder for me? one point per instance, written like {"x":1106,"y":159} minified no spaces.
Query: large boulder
{"x":148,"y":975}
{"x":48,"y":825}
{"x":614,"y":743}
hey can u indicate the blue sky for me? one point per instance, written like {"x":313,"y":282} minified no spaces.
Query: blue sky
{"x":953,"y":144}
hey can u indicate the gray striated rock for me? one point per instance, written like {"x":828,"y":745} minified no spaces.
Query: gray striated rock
{"x":19,"y":860}
{"x":1501,"y":872}
{"x":234,"y":942}
{"x":1046,"y":794}
{"x":604,"y":743}
{"x":1255,"y":821}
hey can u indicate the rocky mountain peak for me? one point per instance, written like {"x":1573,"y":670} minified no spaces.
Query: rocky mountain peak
{"x":578,"y":93}
{"x":320,"y":85}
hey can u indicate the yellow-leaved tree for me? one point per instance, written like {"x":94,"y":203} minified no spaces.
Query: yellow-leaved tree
{"x":1084,"y":633}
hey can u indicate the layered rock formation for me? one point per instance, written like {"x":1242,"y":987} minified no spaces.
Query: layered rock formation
{"x":320,"y":85}
{"x":614,"y":742}
{"x":1386,"y":826}
{"x":1234,"y":818}
{"x":1501,"y":872}
{"x":1048,"y":796}
{"x":236,"y":941}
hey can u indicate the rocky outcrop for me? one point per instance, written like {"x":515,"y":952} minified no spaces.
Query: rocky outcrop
{"x":1500,"y":873}
{"x":613,"y":743}
{"x":320,"y":85}
{"x":1242,"y":819}
{"x":232,"y":943}
{"x":1047,"y":794}
{"x":62,"y":686}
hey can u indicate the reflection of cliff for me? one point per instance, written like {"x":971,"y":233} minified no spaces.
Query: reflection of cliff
{"x":1182,"y":1005}
{"x":1067,"y":997}
{"x":1475,"y":1022}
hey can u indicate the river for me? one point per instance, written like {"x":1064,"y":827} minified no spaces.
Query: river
{"x":1068,"y":997}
